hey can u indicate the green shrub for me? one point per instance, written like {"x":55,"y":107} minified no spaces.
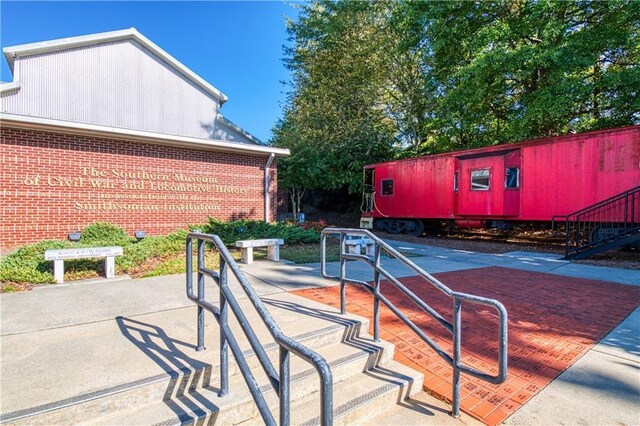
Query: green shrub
{"x":230,"y":232}
{"x":27,"y":264}
{"x":161,"y":246}
{"x":104,"y":234}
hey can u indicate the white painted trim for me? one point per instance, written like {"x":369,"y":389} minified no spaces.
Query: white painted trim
{"x":23,"y":121}
{"x":233,"y":126}
{"x":13,"y":52}
{"x":8,"y":87}
{"x":15,"y":84}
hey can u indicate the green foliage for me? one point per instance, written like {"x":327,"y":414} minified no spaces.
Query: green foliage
{"x":104,"y":234}
{"x":333,"y":122}
{"x":152,"y":256}
{"x":510,"y":71}
{"x":27,"y":264}
{"x":371,"y":81}
{"x":230,"y":232}
{"x":151,"y":247}
{"x":309,"y":253}
{"x":178,"y":265}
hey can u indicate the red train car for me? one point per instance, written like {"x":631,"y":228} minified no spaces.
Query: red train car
{"x":527,"y":181}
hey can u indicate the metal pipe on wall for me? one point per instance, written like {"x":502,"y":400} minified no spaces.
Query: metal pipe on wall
{"x":267,"y":181}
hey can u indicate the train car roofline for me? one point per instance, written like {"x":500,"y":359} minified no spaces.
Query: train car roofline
{"x":505,"y":147}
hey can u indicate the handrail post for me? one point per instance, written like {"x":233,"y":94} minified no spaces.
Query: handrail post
{"x":455,"y":326}
{"x":224,"y":344}
{"x":285,"y":385}
{"x":189,"y":255}
{"x":626,"y":210}
{"x":455,"y":394}
{"x":566,"y":236}
{"x":281,"y":383}
{"x":343,"y":273}
{"x":376,"y":292}
{"x":200,"y":346}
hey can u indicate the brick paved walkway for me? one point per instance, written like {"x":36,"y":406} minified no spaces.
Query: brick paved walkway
{"x":553,"y":321}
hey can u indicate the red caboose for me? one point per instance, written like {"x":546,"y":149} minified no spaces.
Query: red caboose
{"x":527,"y":181}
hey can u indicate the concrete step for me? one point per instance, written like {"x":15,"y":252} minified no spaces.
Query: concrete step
{"x":363,"y":396}
{"x":356,"y":397}
{"x":100,"y":368}
{"x":418,"y":410}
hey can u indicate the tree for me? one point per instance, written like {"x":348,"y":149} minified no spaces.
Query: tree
{"x":371,"y":81}
{"x":509,"y":71}
{"x":334,"y":122}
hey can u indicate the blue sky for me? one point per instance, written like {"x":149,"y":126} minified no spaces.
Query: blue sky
{"x":236,"y":46}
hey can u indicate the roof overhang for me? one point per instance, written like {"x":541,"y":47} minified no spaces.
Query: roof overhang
{"x":13,"y":52}
{"x":68,"y":127}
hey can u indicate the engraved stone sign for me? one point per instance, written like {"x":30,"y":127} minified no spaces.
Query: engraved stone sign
{"x":58,"y":257}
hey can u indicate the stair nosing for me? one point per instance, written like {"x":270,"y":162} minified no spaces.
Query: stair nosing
{"x":167,"y":375}
{"x":354,"y":403}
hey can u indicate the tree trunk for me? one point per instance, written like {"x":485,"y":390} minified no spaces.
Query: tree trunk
{"x":296,"y":193}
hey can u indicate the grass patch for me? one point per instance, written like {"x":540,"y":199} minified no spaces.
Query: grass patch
{"x":309,"y":253}
{"x":230,"y":232}
{"x":177,"y":264}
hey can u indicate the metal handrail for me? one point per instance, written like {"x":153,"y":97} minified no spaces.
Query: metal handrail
{"x":599,"y":204}
{"x":453,"y":327}
{"x":618,"y":214}
{"x":280,"y":381}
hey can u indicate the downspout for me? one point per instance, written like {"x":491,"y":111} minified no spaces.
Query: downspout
{"x":267,"y":182}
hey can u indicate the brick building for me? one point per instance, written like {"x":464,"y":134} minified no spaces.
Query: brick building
{"x":111,"y":128}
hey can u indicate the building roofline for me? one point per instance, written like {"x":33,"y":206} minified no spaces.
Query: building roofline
{"x":37,"y":123}
{"x":22,"y":50}
{"x":228,"y":123}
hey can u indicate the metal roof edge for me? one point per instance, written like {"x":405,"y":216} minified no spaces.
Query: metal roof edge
{"x":37,"y":123}
{"x":226,"y":122}
{"x":12,"y":52}
{"x":8,"y":87}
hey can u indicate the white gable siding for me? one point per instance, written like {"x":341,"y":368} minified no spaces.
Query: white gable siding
{"x":119,"y":84}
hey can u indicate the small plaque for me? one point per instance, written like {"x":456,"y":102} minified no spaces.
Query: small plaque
{"x":82,"y":253}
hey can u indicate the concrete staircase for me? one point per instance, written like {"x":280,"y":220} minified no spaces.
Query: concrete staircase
{"x":143,"y":369}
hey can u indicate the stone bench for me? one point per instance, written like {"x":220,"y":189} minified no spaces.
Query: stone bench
{"x":272,"y":245}
{"x":355,"y":243}
{"x":59,"y":256}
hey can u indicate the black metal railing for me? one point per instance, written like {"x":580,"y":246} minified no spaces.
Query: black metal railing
{"x":453,"y":327}
{"x":601,"y":224}
{"x":280,"y":380}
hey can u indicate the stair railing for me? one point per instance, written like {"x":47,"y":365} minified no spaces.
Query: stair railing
{"x":280,"y":381}
{"x":453,"y":326}
{"x":602,"y":223}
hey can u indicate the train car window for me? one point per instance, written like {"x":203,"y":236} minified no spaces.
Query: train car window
{"x":456,"y":181}
{"x":387,"y":187}
{"x":480,"y":180}
{"x":512,"y":178}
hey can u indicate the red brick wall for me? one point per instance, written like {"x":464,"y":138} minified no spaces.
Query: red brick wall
{"x":55,"y":183}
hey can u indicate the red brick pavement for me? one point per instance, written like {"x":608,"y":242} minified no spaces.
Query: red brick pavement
{"x":553,"y":321}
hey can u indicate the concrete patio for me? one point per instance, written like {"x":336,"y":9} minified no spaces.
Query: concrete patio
{"x":53,"y":334}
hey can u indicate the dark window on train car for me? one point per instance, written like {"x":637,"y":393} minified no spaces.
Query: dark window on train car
{"x":512,"y":178}
{"x":456,"y":181}
{"x":480,"y":180}
{"x":387,"y":187}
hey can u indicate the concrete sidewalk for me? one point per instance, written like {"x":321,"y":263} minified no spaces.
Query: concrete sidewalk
{"x":602,"y":388}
